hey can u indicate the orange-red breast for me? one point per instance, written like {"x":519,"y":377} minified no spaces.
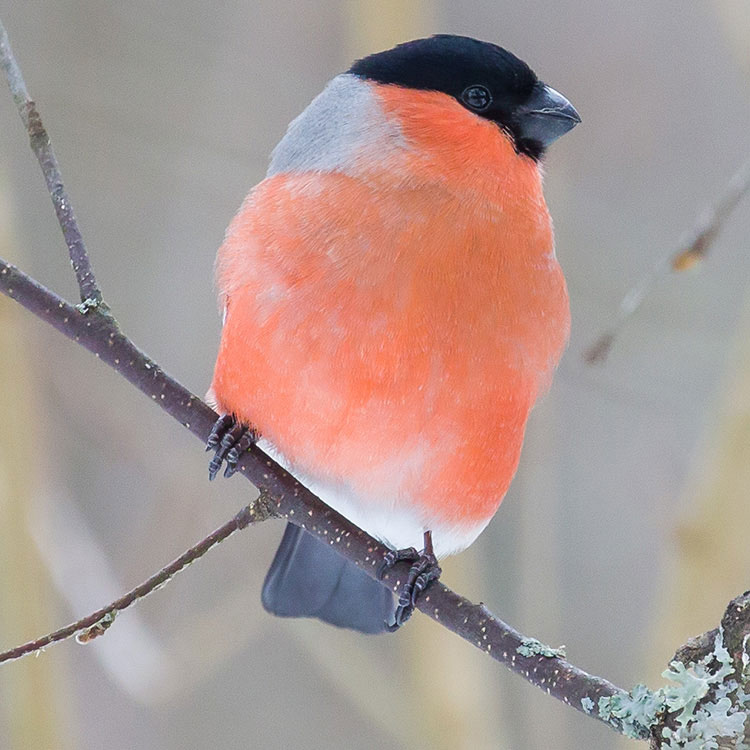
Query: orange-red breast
{"x":393,"y":306}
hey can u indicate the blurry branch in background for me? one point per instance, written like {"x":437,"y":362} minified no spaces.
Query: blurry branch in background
{"x":692,"y":248}
{"x":79,"y":569}
{"x":92,"y":325}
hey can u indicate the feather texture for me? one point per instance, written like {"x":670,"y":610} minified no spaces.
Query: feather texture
{"x":392,"y":316}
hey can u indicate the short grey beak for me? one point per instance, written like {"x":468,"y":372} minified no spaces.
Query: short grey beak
{"x":545,"y":116}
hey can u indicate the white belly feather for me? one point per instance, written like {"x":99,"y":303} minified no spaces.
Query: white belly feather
{"x":394,"y":525}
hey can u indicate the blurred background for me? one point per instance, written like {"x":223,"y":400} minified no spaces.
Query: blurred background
{"x":625,"y":530}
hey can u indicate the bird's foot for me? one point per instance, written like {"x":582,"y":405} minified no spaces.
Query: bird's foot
{"x":423,"y":572}
{"x":229,"y":439}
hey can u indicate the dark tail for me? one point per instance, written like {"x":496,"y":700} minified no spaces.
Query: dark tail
{"x":308,"y":578}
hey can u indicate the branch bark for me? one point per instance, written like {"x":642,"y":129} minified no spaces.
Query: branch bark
{"x":710,"y":706}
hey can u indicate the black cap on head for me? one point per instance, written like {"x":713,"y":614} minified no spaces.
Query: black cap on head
{"x":486,"y":79}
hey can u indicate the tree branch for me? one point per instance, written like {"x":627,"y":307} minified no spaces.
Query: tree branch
{"x":690,"y":250}
{"x":98,"y":332}
{"x":708,"y":705}
{"x":91,"y":296}
{"x":97,"y":623}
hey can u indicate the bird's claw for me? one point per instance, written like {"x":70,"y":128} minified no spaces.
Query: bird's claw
{"x":424,"y":570}
{"x":221,"y":425}
{"x":230,"y":439}
{"x":396,"y":555}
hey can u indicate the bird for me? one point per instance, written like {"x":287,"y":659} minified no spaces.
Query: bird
{"x":392,"y":309}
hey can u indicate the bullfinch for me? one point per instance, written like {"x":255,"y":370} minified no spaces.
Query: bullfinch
{"x":393,"y":308}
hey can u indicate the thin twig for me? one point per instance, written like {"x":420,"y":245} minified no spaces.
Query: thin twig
{"x":95,"y":624}
{"x":91,"y":296}
{"x":691,"y":249}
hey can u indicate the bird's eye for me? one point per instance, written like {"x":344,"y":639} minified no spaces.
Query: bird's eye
{"x":477,"y":98}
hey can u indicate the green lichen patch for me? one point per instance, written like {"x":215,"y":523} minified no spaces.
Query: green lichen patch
{"x":699,"y":723}
{"x":87,"y":304}
{"x":587,"y":704}
{"x":636,"y":711}
{"x":703,"y":702}
{"x":532,"y":647}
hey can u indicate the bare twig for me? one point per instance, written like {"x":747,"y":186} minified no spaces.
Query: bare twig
{"x":95,"y":624}
{"x":691,"y":249}
{"x":91,"y":296}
